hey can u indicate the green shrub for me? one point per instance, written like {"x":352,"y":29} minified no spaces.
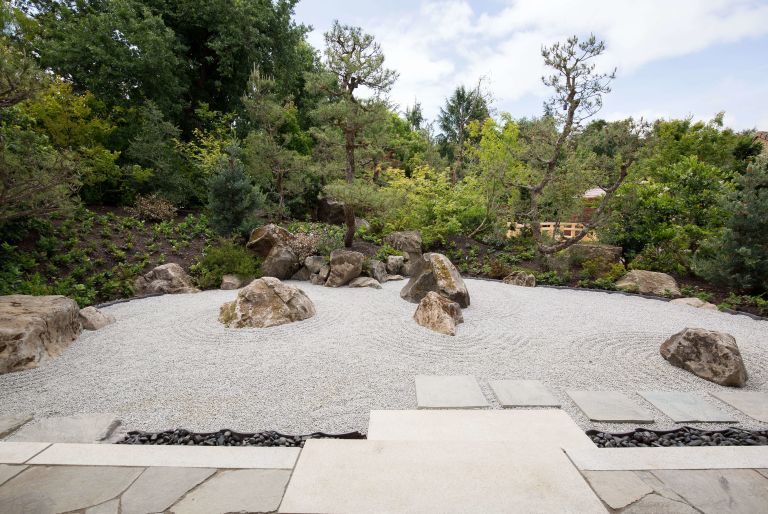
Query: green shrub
{"x":233,"y":200}
{"x":552,"y":278}
{"x":225,"y":259}
{"x":385,"y":251}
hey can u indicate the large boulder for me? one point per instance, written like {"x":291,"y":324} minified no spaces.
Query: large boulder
{"x":408,"y":241}
{"x":378,"y":270}
{"x":438,"y":313}
{"x":35,"y":328}
{"x":395,"y":264}
{"x":266,"y":237}
{"x":346,"y":265}
{"x":230,"y":282}
{"x":581,"y":252}
{"x":365,"y":282}
{"x":695,"y":302}
{"x":92,"y":318}
{"x":266,"y":302}
{"x":711,"y":355}
{"x":165,"y":279}
{"x":520,"y":278}
{"x":434,"y":272}
{"x":303,"y":274}
{"x":649,"y":282}
{"x":321,"y":276}
{"x":280,"y":263}
{"x":314,"y":263}
{"x":330,"y":211}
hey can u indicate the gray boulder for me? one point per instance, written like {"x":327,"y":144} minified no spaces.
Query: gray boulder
{"x":438,"y":313}
{"x":649,"y":282}
{"x":395,"y":264}
{"x":346,"y":265}
{"x":520,"y":278}
{"x":266,"y":237}
{"x":581,"y":252}
{"x":229,"y":282}
{"x":711,"y":355}
{"x":378,"y":270}
{"x":266,"y":302}
{"x":314,"y":263}
{"x":165,"y":279}
{"x":303,"y":274}
{"x":434,"y":272}
{"x":93,"y":319}
{"x":330,"y":211}
{"x":35,"y":328}
{"x":365,"y":282}
{"x":280,"y":263}
{"x":408,"y":241}
{"x":695,"y":302}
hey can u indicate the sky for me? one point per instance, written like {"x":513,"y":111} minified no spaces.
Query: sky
{"x":674,"y":58}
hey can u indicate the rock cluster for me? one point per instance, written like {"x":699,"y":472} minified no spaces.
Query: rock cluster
{"x":266,"y":302}
{"x":165,"y":279}
{"x":34,"y":328}
{"x":228,"y":438}
{"x":520,"y":278}
{"x":408,"y":242}
{"x":93,"y":319}
{"x":711,"y":355}
{"x":438,"y":313}
{"x":434,"y":272}
{"x":685,"y":436}
{"x":649,"y":282}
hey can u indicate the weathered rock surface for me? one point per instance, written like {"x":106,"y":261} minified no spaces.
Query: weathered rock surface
{"x":365,"y":282}
{"x":34,"y":328}
{"x":438,"y":313}
{"x":395,"y":264}
{"x":346,"y":265}
{"x":587,"y":251}
{"x":266,"y":237}
{"x":314,"y":263}
{"x":649,"y":282}
{"x":391,"y":278}
{"x":280,"y":263}
{"x":434,"y":272}
{"x":711,"y":355}
{"x":408,"y":241}
{"x":93,"y":319}
{"x":695,"y":302}
{"x":229,"y":282}
{"x":362,"y":223}
{"x":166,"y":279}
{"x":330,"y":211}
{"x":266,"y":302}
{"x":520,"y":278}
{"x":302,"y":274}
{"x":378,"y":270}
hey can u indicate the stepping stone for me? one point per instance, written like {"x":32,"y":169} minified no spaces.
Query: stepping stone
{"x":523,"y":393}
{"x":435,"y":476}
{"x":552,"y":428}
{"x":686,"y":407}
{"x":81,"y":428}
{"x":8,"y":471}
{"x":159,"y":488}
{"x":9,"y":424}
{"x":617,"y":488}
{"x":719,"y":490}
{"x":19,"y":453}
{"x":64,"y":488}
{"x":110,"y":507}
{"x":680,"y":457}
{"x":752,"y":403}
{"x":449,"y":392}
{"x":656,"y":504}
{"x":241,"y":490}
{"x":610,"y":406}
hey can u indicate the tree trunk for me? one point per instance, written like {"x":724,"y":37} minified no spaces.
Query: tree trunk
{"x":281,"y":195}
{"x":349,"y":219}
{"x":349,"y":213}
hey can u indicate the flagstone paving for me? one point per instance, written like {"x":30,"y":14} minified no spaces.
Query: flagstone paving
{"x":523,"y":393}
{"x":8,"y":471}
{"x":610,"y":406}
{"x":752,"y":403}
{"x":19,"y":453}
{"x":82,"y":428}
{"x":617,"y":488}
{"x":9,"y":424}
{"x":159,"y":488}
{"x":449,"y":392}
{"x":686,"y":407}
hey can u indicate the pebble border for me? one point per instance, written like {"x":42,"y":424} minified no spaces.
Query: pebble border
{"x":683,"y":436}
{"x":227,"y":437}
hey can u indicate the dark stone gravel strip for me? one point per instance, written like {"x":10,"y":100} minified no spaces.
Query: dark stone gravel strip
{"x":685,"y":436}
{"x":229,"y":438}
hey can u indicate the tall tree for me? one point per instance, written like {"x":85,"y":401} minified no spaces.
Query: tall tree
{"x":353,"y":60}
{"x":461,"y":108}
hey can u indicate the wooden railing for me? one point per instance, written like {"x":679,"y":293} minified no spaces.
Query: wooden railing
{"x":564,"y":230}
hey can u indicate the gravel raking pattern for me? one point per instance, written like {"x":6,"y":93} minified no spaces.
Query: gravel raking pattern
{"x":168,"y":362}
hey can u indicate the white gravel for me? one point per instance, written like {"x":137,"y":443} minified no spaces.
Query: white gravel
{"x":169,"y":363}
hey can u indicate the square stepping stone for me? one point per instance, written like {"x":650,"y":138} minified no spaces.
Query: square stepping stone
{"x":82,"y":428}
{"x":552,"y":428}
{"x":435,"y":476}
{"x":752,"y":403}
{"x":617,"y":488}
{"x":610,"y":406}
{"x":9,"y":424}
{"x":159,"y":488}
{"x":449,"y":392}
{"x":686,"y":407}
{"x":523,"y":393}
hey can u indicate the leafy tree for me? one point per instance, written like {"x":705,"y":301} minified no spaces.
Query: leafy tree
{"x":461,"y":108}
{"x":353,"y":60}
{"x":233,"y":200}
{"x":272,"y":144}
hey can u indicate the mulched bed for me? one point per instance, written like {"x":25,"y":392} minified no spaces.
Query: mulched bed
{"x":685,"y":436}
{"x":229,"y":438}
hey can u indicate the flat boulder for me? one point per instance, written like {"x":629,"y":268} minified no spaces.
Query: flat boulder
{"x":165,"y":279}
{"x":35,"y":328}
{"x":280,"y":263}
{"x":408,"y":241}
{"x":365,"y":282}
{"x":520,"y":278}
{"x":230,"y":282}
{"x":93,"y":319}
{"x":438,"y":313}
{"x":710,"y":355}
{"x":346,"y":265}
{"x":695,"y":302}
{"x":266,"y":237}
{"x":649,"y":282}
{"x":266,"y":302}
{"x":434,"y":272}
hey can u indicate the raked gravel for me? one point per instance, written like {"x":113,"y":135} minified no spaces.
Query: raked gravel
{"x":168,"y":363}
